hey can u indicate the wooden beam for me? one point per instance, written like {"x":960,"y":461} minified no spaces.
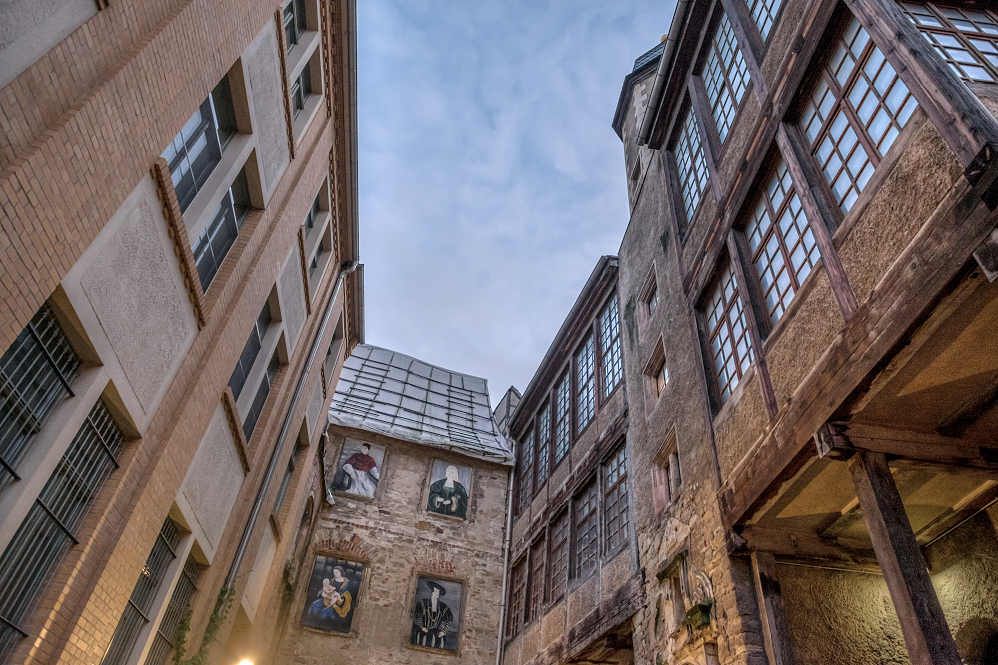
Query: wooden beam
{"x":841,"y":439}
{"x":957,"y":422}
{"x":926,"y":633}
{"x":744,"y":540}
{"x":775,"y":634}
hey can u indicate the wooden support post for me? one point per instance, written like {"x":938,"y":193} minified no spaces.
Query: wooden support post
{"x":926,"y":634}
{"x":774,"y":626}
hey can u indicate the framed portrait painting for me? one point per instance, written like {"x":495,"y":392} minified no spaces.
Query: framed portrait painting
{"x":450,"y":489}
{"x":359,"y":468}
{"x":332,"y":595}
{"x":436,"y":614}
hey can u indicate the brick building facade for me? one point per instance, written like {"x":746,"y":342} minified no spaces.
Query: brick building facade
{"x":401,"y":432}
{"x":807,"y":315}
{"x":178,"y":291}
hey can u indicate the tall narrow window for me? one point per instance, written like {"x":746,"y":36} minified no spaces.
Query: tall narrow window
{"x":301,"y":89}
{"x":854,"y":113}
{"x":764,"y":14}
{"x":783,"y":247}
{"x":535,"y":592}
{"x":250,"y":350}
{"x":725,"y":76}
{"x":585,"y":384}
{"x":313,"y":215}
{"x":615,"y":513}
{"x":967,"y":39}
{"x":558,"y":566}
{"x":197,"y":149}
{"x":526,"y":469}
{"x":50,"y":525}
{"x":137,"y":611}
{"x":609,"y":340}
{"x":691,"y":165}
{"x":562,"y":426}
{"x":289,"y":472}
{"x":543,"y":444}
{"x":36,"y":373}
{"x":220,"y":234}
{"x":586,"y":529}
{"x":517,"y":595}
{"x":165,"y":640}
{"x":261,"y":396}
{"x":727,"y":333}
{"x":294,"y":23}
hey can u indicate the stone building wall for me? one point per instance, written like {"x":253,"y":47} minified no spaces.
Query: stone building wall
{"x":397,"y":540}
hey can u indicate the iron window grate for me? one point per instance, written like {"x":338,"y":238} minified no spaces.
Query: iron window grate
{"x":166,"y":634}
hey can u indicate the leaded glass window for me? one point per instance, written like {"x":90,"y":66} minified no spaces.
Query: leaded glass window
{"x":562,"y":427}
{"x":615,"y":500}
{"x":725,"y":76}
{"x":585,"y":386}
{"x":764,"y":14}
{"x":612,"y":361}
{"x":586,"y":529}
{"x":691,"y":165}
{"x":967,"y":39}
{"x":727,"y":333}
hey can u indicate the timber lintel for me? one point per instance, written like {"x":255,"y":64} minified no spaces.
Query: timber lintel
{"x":743,"y":540}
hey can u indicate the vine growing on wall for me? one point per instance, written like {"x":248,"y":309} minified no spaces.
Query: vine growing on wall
{"x":215,"y":621}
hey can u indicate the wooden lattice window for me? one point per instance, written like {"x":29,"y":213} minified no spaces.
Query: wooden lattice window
{"x":585,"y":383}
{"x":562,"y":426}
{"x":783,"y":247}
{"x":691,"y":164}
{"x":586,"y":529}
{"x":526,"y":469}
{"x":611,"y":358}
{"x":727,"y":333}
{"x":543,"y":444}
{"x":967,"y":39}
{"x":725,"y":76}
{"x":558,"y":557}
{"x":517,"y":595}
{"x":854,"y":113}
{"x":536,"y":591}
{"x":615,"y":514}
{"x":764,"y":14}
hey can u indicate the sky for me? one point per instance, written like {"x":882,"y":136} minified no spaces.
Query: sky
{"x":491,"y":180}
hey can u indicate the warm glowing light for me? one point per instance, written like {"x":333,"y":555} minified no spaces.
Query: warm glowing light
{"x":246,"y":662}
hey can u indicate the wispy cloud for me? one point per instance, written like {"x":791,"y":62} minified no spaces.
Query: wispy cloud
{"x":491,"y":180}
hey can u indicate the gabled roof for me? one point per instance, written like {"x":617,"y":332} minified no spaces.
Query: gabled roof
{"x":642,"y":66}
{"x":394,"y":394}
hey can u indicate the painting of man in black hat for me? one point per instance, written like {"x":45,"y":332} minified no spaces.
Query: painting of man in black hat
{"x":435,"y":620}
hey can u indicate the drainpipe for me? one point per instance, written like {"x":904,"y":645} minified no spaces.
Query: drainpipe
{"x":678,"y":19}
{"x":505,"y":563}
{"x":230,"y":581}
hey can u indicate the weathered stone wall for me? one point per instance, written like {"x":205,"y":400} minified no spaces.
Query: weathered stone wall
{"x":398,"y":540}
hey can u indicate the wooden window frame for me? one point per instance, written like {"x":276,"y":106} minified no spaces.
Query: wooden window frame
{"x":559,"y":555}
{"x":725,"y":267}
{"x":586,"y":556}
{"x":615,"y":539}
{"x":969,"y":42}
{"x":517,"y":597}
{"x":533,"y":607}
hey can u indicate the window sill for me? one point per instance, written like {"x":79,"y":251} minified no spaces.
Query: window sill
{"x":202,"y":209}
{"x":301,"y":52}
{"x":305,"y":116}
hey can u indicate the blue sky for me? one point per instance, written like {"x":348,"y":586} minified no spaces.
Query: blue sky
{"x":490,"y":178}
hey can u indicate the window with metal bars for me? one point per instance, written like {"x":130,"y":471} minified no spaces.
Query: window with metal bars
{"x":535,"y":592}
{"x":294,"y":23}
{"x":727,"y":333}
{"x":558,"y":557}
{"x":764,"y":14}
{"x":36,"y":373}
{"x":615,"y":515}
{"x":586,"y":508}
{"x":543,"y":444}
{"x":783,"y":247}
{"x":249,"y":424}
{"x":313,"y":265}
{"x":195,"y":152}
{"x":165,"y":639}
{"x":49,"y":528}
{"x":289,"y":472}
{"x":517,"y":594}
{"x":585,"y":384}
{"x":301,"y":89}
{"x":250,"y":350}
{"x":138,"y":610}
{"x":562,"y":425}
{"x":312,"y":216}
{"x":725,"y":76}
{"x":526,"y":470}
{"x":611,"y":358}
{"x":691,"y":164}
{"x":218,"y":237}
{"x":967,"y":39}
{"x":854,"y":113}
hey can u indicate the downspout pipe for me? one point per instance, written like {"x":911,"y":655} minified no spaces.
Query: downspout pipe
{"x":654,"y":99}
{"x":275,"y":456}
{"x":507,"y":541}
